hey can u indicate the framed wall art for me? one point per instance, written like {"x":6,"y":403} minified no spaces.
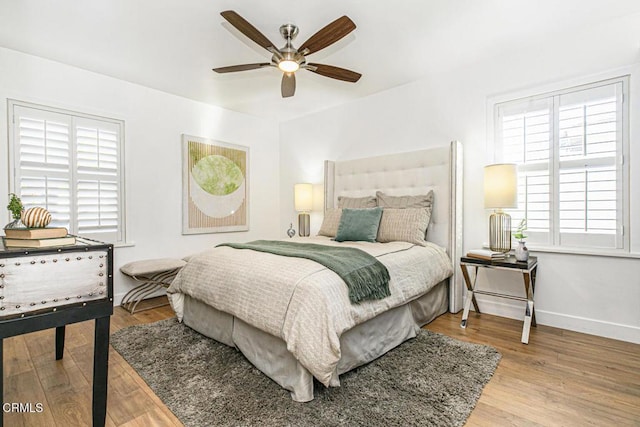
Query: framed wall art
{"x":215,"y":186}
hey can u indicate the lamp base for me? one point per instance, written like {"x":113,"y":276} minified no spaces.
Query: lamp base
{"x":500,"y":231}
{"x":304,"y":224}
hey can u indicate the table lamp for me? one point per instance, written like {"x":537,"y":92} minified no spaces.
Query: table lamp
{"x":303,"y":201}
{"x":500,"y":192}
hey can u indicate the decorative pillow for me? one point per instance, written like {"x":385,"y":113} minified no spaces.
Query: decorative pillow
{"x":357,"y":202}
{"x":330,"y":223}
{"x":359,"y":224}
{"x":399,"y":202}
{"x":405,"y":225}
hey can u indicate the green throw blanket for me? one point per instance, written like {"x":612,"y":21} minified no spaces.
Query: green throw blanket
{"x":365,"y":276}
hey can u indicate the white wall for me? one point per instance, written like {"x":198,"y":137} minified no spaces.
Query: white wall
{"x":598,"y":295}
{"x":154,"y":122}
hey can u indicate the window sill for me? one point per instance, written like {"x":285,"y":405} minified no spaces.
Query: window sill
{"x":581,"y":251}
{"x":124,"y":245}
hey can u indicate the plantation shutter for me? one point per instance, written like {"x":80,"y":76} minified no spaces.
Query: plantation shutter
{"x":43,"y":162}
{"x":568,"y":146}
{"x":525,"y":135}
{"x":590,"y":190}
{"x":97,"y":177}
{"x":70,"y":165}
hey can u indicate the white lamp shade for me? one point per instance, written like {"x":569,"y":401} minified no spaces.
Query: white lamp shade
{"x":501,"y":186}
{"x":303,"y":197}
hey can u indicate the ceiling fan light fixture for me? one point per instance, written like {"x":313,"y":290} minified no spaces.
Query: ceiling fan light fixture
{"x":288,"y":65}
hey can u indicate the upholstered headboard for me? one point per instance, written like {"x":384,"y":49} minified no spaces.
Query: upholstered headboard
{"x":438,"y":169}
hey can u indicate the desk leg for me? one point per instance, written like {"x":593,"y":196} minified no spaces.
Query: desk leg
{"x":60,"y":342}
{"x":1,"y":382}
{"x":100,"y":371}
{"x":470,"y":296}
{"x":529,"y":312}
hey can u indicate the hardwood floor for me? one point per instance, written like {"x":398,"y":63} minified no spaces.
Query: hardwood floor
{"x":560,"y":378}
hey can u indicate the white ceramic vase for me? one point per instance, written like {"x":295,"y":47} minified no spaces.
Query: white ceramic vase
{"x":522,"y":253}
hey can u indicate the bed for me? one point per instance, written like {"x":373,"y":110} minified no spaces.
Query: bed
{"x":292,"y":317}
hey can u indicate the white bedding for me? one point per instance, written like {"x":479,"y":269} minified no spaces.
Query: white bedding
{"x":300,"y":301}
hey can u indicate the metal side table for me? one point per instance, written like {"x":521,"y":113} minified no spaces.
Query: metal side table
{"x":528,"y":270}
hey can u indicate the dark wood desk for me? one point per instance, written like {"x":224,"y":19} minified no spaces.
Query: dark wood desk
{"x":527,"y":268}
{"x":53,"y":287}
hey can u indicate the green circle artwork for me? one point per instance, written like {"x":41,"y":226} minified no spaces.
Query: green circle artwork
{"x":217,"y":175}
{"x":217,"y":186}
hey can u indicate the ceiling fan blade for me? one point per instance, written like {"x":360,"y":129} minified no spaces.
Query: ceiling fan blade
{"x":328,"y":35}
{"x":334,"y":72}
{"x":247,"y":29}
{"x":243,"y":67}
{"x":288,"y":86}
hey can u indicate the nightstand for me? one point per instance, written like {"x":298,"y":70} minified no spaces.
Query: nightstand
{"x":53,"y":287}
{"x":528,"y":270}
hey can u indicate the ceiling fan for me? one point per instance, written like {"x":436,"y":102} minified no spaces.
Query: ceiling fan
{"x":289,"y":59}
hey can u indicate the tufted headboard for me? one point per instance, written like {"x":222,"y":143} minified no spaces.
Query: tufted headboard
{"x":438,"y":169}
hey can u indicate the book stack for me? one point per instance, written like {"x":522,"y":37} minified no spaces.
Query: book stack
{"x":486,"y":254}
{"x":37,"y":237}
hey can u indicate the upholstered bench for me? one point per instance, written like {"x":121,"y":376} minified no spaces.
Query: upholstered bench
{"x":152,"y":274}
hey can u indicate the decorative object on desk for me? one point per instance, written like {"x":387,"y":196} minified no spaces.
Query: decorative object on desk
{"x":16,"y":207}
{"x":303,"y":201}
{"x":522,"y":253}
{"x":36,"y":233}
{"x":36,"y":217}
{"x":500,"y":192}
{"x":39,"y":243}
{"x":215,"y":186}
{"x":486,"y":254}
{"x":291,"y":232}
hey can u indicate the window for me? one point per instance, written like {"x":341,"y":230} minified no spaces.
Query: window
{"x":71,"y":164}
{"x":570,"y":148}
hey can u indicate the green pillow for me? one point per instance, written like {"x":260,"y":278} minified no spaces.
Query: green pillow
{"x":359,"y":224}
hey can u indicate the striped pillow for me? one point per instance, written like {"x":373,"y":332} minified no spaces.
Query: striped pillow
{"x":357,"y":202}
{"x":420,"y":201}
{"x":405,"y":225}
{"x":330,"y":223}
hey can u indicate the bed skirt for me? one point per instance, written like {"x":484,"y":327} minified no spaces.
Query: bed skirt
{"x":359,"y":345}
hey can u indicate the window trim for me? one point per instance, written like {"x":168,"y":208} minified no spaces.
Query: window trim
{"x":122,"y":239}
{"x":557,"y":89}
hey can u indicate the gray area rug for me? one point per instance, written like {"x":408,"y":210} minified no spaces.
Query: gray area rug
{"x":432,"y":380}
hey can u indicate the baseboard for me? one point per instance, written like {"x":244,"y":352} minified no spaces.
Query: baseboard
{"x":564,"y":321}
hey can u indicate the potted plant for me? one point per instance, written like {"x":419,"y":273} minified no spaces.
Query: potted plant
{"x":522,"y":253}
{"x":16,"y":207}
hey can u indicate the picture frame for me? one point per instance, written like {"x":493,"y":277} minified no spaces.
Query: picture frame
{"x":215,"y":186}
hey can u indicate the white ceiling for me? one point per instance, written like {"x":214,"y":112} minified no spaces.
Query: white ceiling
{"x":172,"y":45}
